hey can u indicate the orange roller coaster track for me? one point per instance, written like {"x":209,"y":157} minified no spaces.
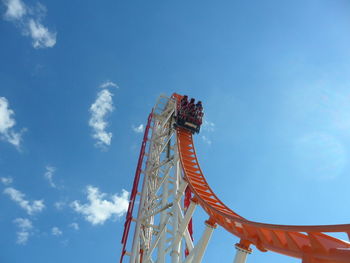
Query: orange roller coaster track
{"x":310,"y":243}
{"x":173,"y":185}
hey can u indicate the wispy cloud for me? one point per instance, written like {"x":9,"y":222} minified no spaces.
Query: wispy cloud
{"x":15,"y":9}
{"x":56,"y":231}
{"x":28,"y":20}
{"x":99,"y":207}
{"x":59,"y":205}
{"x":48,"y":175}
{"x":207,"y":128}
{"x":6,"y":180}
{"x":74,"y":225}
{"x":206,"y":139}
{"x":99,"y":110}
{"x":25,"y":226}
{"x":7,"y":122}
{"x":31,"y":207}
{"x":40,"y":34}
{"x":138,"y":129}
{"x":108,"y":84}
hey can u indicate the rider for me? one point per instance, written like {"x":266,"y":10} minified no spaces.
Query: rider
{"x":199,"y":106}
{"x":199,"y":112}
{"x":183,"y":106}
{"x":184,"y":101}
{"x":191,"y":110}
{"x":191,"y":104}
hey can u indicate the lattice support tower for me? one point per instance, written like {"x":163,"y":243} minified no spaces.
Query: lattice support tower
{"x":161,"y":226}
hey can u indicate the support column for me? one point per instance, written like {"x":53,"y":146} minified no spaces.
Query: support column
{"x":242,"y":252}
{"x":175,"y":253}
{"x":210,"y":225}
{"x":185,"y":221}
{"x":163,"y":216}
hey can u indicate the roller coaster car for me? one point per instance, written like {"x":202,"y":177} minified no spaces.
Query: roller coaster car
{"x":189,"y":115}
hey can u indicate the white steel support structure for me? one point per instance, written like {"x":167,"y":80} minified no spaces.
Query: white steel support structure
{"x":161,"y":232}
{"x":241,"y":254}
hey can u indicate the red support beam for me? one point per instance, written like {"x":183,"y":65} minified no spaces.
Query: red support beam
{"x":134,"y":190}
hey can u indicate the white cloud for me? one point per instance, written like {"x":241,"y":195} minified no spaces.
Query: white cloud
{"x":75,"y":226}
{"x":7,"y":122}
{"x":138,"y":129}
{"x":49,"y":175}
{"x":6,"y":180}
{"x":31,"y":207}
{"x":28,"y":20}
{"x":208,"y":126}
{"x":108,"y":84}
{"x":99,"y":109}
{"x":206,"y":139}
{"x":16,"y":9}
{"x":22,"y":237}
{"x":56,"y":231}
{"x":59,"y":205}
{"x":41,"y":36}
{"x":99,"y":208}
{"x":24,"y":225}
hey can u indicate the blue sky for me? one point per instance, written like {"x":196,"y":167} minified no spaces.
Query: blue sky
{"x":77,"y":81}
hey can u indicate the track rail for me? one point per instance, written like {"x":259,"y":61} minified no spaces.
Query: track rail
{"x":310,"y":243}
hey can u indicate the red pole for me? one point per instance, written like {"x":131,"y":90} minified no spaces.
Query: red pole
{"x":187,"y":201}
{"x":128,"y":218}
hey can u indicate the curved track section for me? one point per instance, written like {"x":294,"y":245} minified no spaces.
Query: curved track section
{"x":310,"y":243}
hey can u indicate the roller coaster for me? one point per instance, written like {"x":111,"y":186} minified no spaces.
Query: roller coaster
{"x":173,"y":185}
